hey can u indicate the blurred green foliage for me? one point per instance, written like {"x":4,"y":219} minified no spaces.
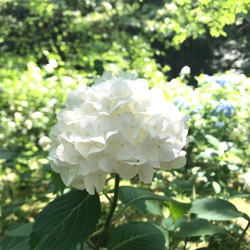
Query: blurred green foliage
{"x":49,"y":47}
{"x":93,"y":36}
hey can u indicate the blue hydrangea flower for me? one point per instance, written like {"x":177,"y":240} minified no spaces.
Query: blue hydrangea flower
{"x":193,"y":107}
{"x":181,"y":103}
{"x":219,"y":124}
{"x":220,"y":80}
{"x":225,"y":107}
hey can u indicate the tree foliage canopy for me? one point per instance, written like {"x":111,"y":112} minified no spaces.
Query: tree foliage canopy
{"x":99,"y":35}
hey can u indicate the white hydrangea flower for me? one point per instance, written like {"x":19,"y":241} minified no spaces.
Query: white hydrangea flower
{"x":118,"y":125}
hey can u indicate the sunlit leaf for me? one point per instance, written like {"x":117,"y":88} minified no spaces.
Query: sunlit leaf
{"x":213,"y":141}
{"x":232,"y":167}
{"x":178,"y":209}
{"x":137,"y":197}
{"x":214,"y":209}
{"x":216,"y":186}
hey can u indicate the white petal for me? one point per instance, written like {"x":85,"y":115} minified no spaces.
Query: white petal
{"x":66,"y":152}
{"x":89,"y":184}
{"x":146,"y":173}
{"x":179,"y":162}
{"x":84,"y":167}
{"x":69,"y":117}
{"x":126,"y":171}
{"x":82,"y":148}
{"x":106,"y":164}
{"x":94,"y":182}
{"x":78,"y":183}
{"x":68,"y":174}
{"x":166,"y":153}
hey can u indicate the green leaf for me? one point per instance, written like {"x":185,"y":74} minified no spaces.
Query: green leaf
{"x":18,"y":238}
{"x":215,"y":209}
{"x":198,"y":228}
{"x":59,"y":186}
{"x":7,"y":154}
{"x":22,"y":230}
{"x":16,"y":243}
{"x":213,"y":141}
{"x":205,"y":248}
{"x":137,"y":197}
{"x":217,"y":187}
{"x":232,"y":167}
{"x":153,"y":208}
{"x":178,"y":209}
{"x":137,"y":235}
{"x":66,"y":221}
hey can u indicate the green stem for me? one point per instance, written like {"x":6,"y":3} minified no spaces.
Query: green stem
{"x":185,"y":244}
{"x":81,"y":248}
{"x":99,"y":231}
{"x":90,"y":243}
{"x":111,"y":212}
{"x":244,"y":232}
{"x":106,"y":195}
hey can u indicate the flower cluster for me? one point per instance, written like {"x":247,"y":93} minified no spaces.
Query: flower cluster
{"x":225,"y":107}
{"x":221,"y":80}
{"x":117,"y":126}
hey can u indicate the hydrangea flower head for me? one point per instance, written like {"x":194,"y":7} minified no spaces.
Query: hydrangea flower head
{"x":225,"y":107}
{"x":181,"y":103}
{"x":118,"y":125}
{"x":221,"y":80}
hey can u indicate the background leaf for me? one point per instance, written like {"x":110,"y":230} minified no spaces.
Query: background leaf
{"x":22,"y":230}
{"x":138,"y":196}
{"x":59,"y":186}
{"x":213,"y":141}
{"x":198,"y":228}
{"x":153,"y":207}
{"x":17,"y":238}
{"x":67,"y":220}
{"x":214,"y":209}
{"x":137,"y":235}
{"x":16,"y":243}
{"x":7,"y":154}
{"x":178,"y":209}
{"x":217,"y":187}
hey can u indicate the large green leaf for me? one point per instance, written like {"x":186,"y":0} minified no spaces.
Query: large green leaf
{"x":137,"y":197}
{"x":198,"y":228}
{"x":67,"y":220}
{"x":215,"y":209}
{"x":137,"y":235}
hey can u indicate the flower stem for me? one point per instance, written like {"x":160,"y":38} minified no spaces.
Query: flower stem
{"x":111,"y":212}
{"x":244,"y":232}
